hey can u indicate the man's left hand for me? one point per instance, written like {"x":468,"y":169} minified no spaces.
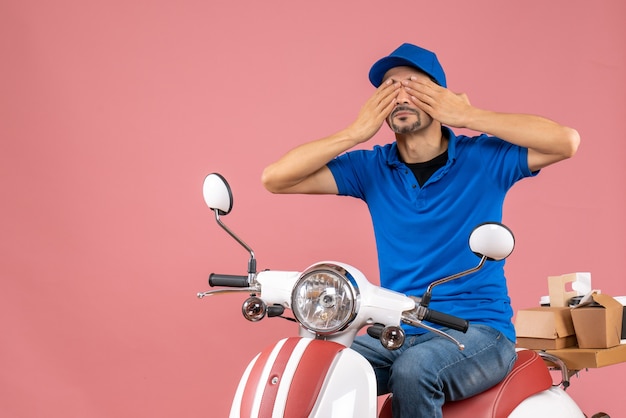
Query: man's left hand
{"x":441,"y":104}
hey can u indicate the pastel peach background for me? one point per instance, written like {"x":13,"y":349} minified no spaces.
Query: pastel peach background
{"x":112,"y":112}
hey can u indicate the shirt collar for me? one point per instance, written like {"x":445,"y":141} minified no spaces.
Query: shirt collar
{"x":393,"y":159}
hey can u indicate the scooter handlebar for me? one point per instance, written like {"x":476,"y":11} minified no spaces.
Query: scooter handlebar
{"x":228,"y":280}
{"x":446,"y":320}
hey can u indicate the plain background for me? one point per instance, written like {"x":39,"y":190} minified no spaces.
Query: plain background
{"x":112,"y":112}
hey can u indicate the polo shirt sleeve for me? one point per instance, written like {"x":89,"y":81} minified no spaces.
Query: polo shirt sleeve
{"x":508,"y":163}
{"x":345,"y":170}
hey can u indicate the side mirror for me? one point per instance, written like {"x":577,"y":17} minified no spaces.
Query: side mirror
{"x":219,"y":198}
{"x":492,"y":240}
{"x":489,"y":241}
{"x":217,"y":193}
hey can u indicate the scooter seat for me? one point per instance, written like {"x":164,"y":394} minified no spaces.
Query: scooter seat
{"x":528,"y":376}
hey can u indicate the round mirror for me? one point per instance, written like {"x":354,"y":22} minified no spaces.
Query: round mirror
{"x":217,"y":194}
{"x":493,"y":240}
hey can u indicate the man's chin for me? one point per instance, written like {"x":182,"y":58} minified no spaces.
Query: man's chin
{"x":404,"y":128}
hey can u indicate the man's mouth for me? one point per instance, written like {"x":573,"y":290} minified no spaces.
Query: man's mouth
{"x":403,"y":112}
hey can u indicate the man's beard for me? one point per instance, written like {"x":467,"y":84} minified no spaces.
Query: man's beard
{"x":406,"y":128}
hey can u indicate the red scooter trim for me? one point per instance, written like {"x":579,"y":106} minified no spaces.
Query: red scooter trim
{"x":306,"y":383}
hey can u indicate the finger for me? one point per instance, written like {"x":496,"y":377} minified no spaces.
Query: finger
{"x":421,"y":98}
{"x":427,"y":82}
{"x":389,"y":88}
{"x":423,"y":86}
{"x":386,"y":95}
{"x":424,"y":106}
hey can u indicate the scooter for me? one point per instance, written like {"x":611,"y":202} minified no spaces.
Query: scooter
{"x":316,"y":374}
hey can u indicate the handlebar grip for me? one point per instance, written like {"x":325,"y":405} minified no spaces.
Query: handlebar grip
{"x":375,"y":330}
{"x":446,"y":320}
{"x":228,"y":280}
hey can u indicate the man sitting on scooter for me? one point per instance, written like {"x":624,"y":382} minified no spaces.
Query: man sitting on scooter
{"x":425,"y":192}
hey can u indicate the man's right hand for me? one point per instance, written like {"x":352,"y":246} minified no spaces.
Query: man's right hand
{"x":374,"y":112}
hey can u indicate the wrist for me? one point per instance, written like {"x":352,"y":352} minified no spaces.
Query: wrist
{"x":474,"y":119}
{"x":354,"y":135}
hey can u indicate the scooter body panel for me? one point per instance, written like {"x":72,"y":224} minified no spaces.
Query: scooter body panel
{"x":301,"y":377}
{"x":349,"y":389}
{"x":553,"y":403}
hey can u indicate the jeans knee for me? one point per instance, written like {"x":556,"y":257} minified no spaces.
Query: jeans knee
{"x":416,"y":376}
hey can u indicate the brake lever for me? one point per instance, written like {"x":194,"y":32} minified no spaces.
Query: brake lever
{"x":410,"y":318}
{"x":201,"y":295}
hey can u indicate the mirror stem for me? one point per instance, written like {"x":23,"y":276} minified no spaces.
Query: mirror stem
{"x":252,"y":261}
{"x":427,"y":295}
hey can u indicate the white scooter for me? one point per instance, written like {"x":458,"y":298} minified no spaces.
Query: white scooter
{"x":317,"y":375}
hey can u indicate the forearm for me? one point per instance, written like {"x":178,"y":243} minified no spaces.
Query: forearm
{"x":548,"y":141}
{"x":304,"y":161}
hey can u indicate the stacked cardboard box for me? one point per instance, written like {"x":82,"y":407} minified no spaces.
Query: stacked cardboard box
{"x":545,"y":328}
{"x":598,"y":321}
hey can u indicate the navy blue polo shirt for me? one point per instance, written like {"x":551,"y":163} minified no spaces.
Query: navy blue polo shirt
{"x":422,"y":232}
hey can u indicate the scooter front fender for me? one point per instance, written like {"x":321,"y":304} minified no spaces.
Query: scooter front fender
{"x":303,"y":377}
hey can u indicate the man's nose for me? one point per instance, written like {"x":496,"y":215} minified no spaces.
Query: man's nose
{"x":403,"y":97}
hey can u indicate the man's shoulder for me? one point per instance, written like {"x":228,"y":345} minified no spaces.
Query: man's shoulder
{"x":379,"y":148}
{"x":381,"y":152}
{"x":462,"y":143}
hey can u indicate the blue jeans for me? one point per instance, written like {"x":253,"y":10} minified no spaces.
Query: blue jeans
{"x":429,"y":370}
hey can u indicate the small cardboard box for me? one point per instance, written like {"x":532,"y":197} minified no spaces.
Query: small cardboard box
{"x":599,"y":324}
{"x":546,"y":343}
{"x":558,"y":286}
{"x":545,"y":328}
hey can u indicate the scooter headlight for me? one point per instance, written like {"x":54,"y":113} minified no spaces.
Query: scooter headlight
{"x":325,"y":298}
